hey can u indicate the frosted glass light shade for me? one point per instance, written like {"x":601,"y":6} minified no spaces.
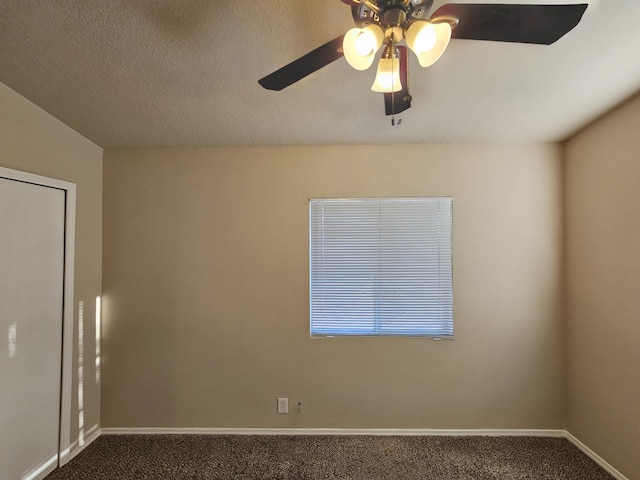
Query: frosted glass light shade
{"x":428,"y":40}
{"x":361,"y":44}
{"x":388,"y":76}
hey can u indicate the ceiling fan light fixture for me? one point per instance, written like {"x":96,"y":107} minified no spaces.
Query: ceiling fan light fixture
{"x":388,"y":74}
{"x":428,"y":40}
{"x":361,"y":44}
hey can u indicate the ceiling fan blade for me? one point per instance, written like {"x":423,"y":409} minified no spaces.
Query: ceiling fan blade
{"x":303,"y":66}
{"x":540,"y":24}
{"x":398,"y":102}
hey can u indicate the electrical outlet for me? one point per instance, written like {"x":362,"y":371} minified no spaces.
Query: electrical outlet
{"x":283,"y":405}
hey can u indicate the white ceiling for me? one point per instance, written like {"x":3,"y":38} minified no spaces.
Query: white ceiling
{"x":185,"y":73}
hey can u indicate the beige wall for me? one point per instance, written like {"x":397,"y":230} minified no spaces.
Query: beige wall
{"x":33,"y":141}
{"x":603,"y":293}
{"x":206,"y":291}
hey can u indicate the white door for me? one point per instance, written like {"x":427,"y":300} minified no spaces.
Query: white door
{"x":32,"y":229}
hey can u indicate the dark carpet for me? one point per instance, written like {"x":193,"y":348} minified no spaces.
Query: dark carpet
{"x":329,"y":458}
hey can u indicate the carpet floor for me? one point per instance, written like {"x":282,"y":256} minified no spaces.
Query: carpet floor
{"x":230,"y":457}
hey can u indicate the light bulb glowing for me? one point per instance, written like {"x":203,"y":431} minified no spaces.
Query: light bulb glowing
{"x":361,"y":44}
{"x":388,"y":76}
{"x":365,"y":43}
{"x":428,"y":40}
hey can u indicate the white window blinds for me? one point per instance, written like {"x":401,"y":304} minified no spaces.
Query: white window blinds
{"x":381,"y":267}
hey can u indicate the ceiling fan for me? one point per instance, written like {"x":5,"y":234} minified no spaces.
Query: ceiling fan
{"x":390,"y":22}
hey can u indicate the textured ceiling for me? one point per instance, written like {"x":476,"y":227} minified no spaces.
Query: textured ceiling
{"x":184,"y":73}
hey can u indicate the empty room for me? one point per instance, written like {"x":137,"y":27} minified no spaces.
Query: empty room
{"x":336,"y":239}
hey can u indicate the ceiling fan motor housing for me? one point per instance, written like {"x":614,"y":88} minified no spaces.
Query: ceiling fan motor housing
{"x":390,"y":13}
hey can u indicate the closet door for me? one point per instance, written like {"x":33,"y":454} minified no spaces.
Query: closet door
{"x":32,"y":226}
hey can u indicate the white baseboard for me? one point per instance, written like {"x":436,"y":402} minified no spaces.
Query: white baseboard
{"x":43,"y":470}
{"x":75,"y":448}
{"x":595,"y":457}
{"x":65,"y":456}
{"x":336,"y":431}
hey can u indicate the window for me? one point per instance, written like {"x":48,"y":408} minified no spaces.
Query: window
{"x":381,"y":267}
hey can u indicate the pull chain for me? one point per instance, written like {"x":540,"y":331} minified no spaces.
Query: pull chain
{"x":393,"y":98}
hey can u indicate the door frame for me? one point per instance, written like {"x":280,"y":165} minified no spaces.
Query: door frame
{"x":66,"y":385}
